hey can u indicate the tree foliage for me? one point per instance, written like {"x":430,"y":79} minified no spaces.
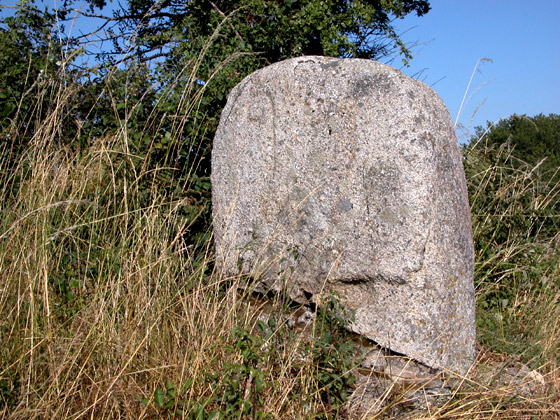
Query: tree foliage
{"x":274,"y":30}
{"x":534,"y":140}
{"x":27,"y":63}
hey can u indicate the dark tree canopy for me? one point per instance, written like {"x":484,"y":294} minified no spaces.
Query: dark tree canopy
{"x":532,"y":139}
{"x":28,"y":62}
{"x":276,"y":29}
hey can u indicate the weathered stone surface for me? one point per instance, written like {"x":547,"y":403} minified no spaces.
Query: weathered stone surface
{"x":345,"y":175}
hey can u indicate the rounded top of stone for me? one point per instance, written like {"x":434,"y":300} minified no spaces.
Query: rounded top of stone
{"x":366,"y":75}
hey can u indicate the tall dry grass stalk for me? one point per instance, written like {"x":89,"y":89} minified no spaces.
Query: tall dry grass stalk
{"x":515,"y":224}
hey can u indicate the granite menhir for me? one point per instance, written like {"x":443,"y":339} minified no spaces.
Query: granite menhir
{"x":344,"y":175}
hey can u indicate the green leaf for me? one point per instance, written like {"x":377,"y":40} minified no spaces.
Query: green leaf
{"x":159,"y":397}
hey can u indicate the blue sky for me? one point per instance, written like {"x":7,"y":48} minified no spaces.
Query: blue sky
{"x":521,"y":37}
